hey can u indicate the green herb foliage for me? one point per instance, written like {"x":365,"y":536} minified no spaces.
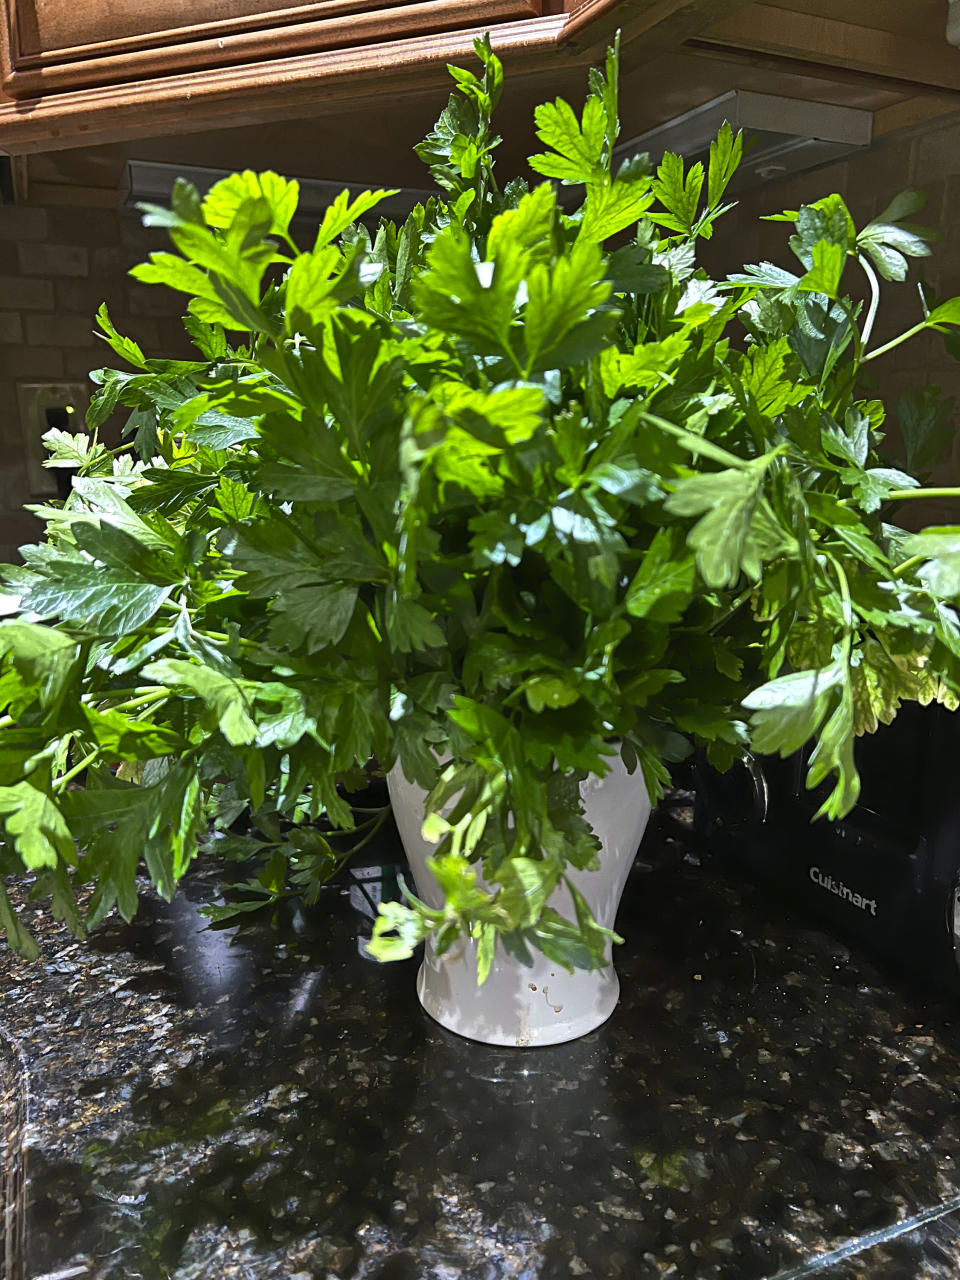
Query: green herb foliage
{"x":495,"y":488}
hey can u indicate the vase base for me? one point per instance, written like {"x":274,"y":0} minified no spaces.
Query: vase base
{"x":528,"y":1005}
{"x":532,"y":1021}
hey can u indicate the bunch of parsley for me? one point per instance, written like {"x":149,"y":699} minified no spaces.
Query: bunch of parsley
{"x":481,"y":489}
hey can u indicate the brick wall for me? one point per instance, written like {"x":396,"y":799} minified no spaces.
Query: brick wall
{"x":57,"y":264}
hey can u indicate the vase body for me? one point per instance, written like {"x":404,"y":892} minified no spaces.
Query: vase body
{"x":520,"y":1005}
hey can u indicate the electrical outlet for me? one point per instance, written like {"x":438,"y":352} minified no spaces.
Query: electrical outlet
{"x":43,"y":406}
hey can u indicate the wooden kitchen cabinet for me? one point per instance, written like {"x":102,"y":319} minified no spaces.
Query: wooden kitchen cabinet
{"x":55,"y":46}
{"x":76,"y":73}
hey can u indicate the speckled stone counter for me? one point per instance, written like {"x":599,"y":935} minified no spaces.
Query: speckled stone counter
{"x":261,"y":1101}
{"x":13,"y":1110}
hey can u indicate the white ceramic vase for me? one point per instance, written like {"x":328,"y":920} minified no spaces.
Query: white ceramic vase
{"x":544,"y":1004}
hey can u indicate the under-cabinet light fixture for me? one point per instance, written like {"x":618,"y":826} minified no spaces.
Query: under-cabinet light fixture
{"x":151,"y":182}
{"x":783,"y":136}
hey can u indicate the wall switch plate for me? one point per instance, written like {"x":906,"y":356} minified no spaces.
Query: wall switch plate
{"x":39,"y":402}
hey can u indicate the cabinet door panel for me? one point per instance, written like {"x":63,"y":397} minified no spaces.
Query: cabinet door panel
{"x":50,"y":26}
{"x":55,"y":46}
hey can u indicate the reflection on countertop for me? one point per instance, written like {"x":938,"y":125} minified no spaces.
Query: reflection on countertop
{"x":261,"y":1101}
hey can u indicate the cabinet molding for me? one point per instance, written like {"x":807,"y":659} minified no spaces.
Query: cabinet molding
{"x":280,"y":89}
{"x":56,"y":47}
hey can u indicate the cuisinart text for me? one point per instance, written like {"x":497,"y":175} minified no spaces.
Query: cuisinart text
{"x":842,"y":891}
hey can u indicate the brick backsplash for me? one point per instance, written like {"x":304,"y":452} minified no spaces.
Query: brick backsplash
{"x":31,"y":364}
{"x":11,"y":328}
{"x":23,"y":222}
{"x":26,"y":294}
{"x":57,"y":264}
{"x":54,"y":260}
{"x":60,"y":331}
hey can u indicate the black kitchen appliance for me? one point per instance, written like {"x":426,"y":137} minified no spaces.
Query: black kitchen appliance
{"x":887,"y":875}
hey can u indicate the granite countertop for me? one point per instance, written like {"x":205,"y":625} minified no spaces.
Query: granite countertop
{"x":261,"y":1101}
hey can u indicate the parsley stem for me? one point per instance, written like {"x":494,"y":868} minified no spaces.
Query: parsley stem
{"x":144,"y":700}
{"x":895,"y":342}
{"x":222,"y":636}
{"x":695,"y":443}
{"x":737,"y":604}
{"x":874,"y":300}
{"x":849,"y":621}
{"x":858,"y":342}
{"x":377,"y":824}
{"x":379,"y":815}
{"x":898,"y":495}
{"x":102,"y":695}
{"x":69,"y":776}
{"x":908,"y":564}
